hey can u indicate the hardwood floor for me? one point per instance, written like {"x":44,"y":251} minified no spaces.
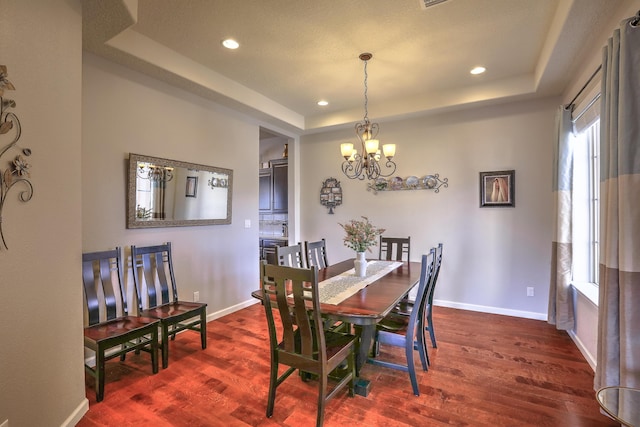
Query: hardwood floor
{"x":488,"y":370}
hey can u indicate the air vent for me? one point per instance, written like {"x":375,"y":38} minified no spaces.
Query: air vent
{"x":424,"y":4}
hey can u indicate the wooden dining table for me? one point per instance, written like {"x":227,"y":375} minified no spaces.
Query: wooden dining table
{"x":369,"y":305}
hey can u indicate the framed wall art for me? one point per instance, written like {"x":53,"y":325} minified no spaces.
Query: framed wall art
{"x":192,"y":186}
{"x":498,"y":189}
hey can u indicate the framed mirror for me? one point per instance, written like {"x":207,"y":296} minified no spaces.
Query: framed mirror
{"x":172,"y":193}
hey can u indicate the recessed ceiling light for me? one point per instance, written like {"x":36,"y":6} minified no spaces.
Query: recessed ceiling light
{"x":230,"y":44}
{"x":478,"y":70}
{"x":323,"y":103}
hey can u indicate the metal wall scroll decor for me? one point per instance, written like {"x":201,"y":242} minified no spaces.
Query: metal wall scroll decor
{"x":396,"y":183}
{"x":331,"y":194}
{"x":17,"y":171}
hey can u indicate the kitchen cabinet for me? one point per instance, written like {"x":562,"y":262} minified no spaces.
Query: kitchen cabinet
{"x":264,"y":203}
{"x":274,"y":187}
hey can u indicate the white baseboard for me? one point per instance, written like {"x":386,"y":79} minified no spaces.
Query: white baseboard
{"x":491,"y":310}
{"x":77,"y":414}
{"x":232,"y":309}
{"x":583,"y":349}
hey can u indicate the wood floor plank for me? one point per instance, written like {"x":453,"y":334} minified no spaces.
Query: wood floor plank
{"x":488,"y":370}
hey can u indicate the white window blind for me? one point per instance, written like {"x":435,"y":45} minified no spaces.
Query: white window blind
{"x":587,"y":109}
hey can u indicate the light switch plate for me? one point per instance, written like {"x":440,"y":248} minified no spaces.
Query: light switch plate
{"x":247,"y":223}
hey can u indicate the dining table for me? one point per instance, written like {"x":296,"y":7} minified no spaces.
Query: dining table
{"x":363,"y":301}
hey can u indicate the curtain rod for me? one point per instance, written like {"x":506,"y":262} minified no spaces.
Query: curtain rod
{"x":569,"y":105}
{"x":633,"y":23}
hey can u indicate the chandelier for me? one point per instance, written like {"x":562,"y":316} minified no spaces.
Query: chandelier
{"x":367,"y":163}
{"x":154,"y":173}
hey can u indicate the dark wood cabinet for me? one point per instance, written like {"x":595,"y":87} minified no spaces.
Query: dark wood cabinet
{"x":280,"y":179}
{"x":274,"y":187}
{"x":264,"y":203}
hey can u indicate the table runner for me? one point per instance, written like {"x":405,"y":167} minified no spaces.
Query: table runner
{"x":338,"y":288}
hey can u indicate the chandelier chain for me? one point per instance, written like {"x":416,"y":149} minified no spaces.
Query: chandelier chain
{"x":366,"y":98}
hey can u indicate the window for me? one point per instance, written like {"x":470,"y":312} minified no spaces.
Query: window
{"x":586,"y":185}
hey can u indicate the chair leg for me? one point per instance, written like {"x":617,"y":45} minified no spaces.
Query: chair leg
{"x":203,"y":329}
{"x":351,"y":363}
{"x":273,"y":384}
{"x":412,"y":368}
{"x":422,"y":351}
{"x":322,"y":398}
{"x":154,"y":351}
{"x":431,"y":331}
{"x":165,"y":345}
{"x":100,"y":360}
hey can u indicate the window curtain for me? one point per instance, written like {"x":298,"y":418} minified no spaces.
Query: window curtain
{"x":158,"y":195}
{"x":618,"y":360}
{"x":560,"y":311}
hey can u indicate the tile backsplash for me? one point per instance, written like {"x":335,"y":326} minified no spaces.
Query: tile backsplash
{"x":274,"y":225}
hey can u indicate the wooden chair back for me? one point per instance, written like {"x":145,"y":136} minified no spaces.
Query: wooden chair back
{"x":290,"y":256}
{"x":316,"y":254}
{"x":298,"y":302}
{"x":153,"y":275}
{"x":429,"y":304}
{"x":395,"y":248}
{"x":436,"y":271}
{"x":102,"y":280}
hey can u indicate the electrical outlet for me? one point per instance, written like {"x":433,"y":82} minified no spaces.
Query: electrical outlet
{"x":196,"y":296}
{"x":529,"y":291}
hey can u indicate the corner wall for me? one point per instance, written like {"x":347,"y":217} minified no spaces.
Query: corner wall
{"x":41,"y":358}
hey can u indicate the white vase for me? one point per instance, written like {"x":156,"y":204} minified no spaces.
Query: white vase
{"x":360,"y":264}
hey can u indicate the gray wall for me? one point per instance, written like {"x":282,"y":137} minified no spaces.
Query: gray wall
{"x":490,"y":254}
{"x":219,"y":261}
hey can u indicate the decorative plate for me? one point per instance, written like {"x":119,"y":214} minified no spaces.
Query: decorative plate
{"x":429,"y":181}
{"x":396,"y":183}
{"x":381,"y":184}
{"x":412,"y":182}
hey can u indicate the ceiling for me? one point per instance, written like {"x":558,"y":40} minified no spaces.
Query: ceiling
{"x":295,"y":52}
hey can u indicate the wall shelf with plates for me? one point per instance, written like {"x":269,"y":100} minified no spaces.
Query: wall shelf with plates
{"x":411,"y":183}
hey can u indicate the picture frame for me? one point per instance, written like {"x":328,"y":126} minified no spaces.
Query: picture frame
{"x":192,"y":186}
{"x":498,"y":189}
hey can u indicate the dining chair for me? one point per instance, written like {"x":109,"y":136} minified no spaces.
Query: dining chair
{"x":395,"y":248}
{"x":316,"y":254}
{"x":155,"y":283}
{"x":404,"y":308}
{"x":111,"y":331}
{"x":410,"y":334}
{"x":305,"y":345}
{"x":290,"y":256}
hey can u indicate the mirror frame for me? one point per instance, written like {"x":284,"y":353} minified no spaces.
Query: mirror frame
{"x":131,"y":193}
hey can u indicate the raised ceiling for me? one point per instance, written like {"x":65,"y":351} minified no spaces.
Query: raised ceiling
{"x":295,"y":52}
